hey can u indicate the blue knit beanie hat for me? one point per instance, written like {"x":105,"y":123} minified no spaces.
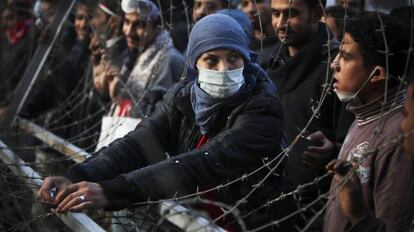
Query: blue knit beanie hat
{"x":241,"y":18}
{"x":217,"y":31}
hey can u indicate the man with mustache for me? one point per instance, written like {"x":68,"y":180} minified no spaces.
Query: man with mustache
{"x":153,"y":64}
{"x":107,"y":39}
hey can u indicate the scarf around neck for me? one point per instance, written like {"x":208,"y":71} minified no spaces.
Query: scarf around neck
{"x":147,"y":64}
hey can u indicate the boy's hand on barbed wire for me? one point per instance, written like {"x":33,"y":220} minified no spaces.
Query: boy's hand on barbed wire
{"x":350,"y":195}
{"x":319,"y":155}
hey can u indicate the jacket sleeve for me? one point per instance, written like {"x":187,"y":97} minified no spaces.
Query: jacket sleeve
{"x":253,"y":134}
{"x":142,"y":146}
{"x":394,"y":190}
{"x":367,"y":224}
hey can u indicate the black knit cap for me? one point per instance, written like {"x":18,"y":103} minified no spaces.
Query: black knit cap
{"x":110,"y":7}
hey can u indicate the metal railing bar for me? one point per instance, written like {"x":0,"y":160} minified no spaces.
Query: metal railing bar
{"x":75,"y":221}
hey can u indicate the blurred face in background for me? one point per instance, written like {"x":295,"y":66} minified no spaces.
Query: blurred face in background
{"x":262,"y":8}
{"x":8,"y":19}
{"x":203,"y":8}
{"x":333,"y":27}
{"x":47,"y":12}
{"x":99,"y":21}
{"x":303,"y":22}
{"x":82,"y":22}
{"x":139,"y":32}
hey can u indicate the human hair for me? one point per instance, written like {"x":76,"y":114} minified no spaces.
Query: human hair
{"x":404,"y":14}
{"x":88,"y":3}
{"x":366,"y":30}
{"x":21,"y":8}
{"x":53,"y":3}
{"x":312,"y":3}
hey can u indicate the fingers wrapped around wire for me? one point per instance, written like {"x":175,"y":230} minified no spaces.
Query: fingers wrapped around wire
{"x":80,"y":196}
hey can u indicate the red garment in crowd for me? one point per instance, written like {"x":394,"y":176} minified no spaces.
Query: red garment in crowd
{"x":125,"y":107}
{"x":213,"y":211}
{"x":14,"y":35}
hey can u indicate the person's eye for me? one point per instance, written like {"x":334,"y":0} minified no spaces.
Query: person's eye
{"x":79,"y":17}
{"x":233,"y":58}
{"x":344,"y":57}
{"x":276,"y":13}
{"x":211,"y":61}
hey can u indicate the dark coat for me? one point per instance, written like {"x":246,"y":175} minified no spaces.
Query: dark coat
{"x":300,"y":83}
{"x":158,"y":159}
{"x":14,"y":59}
{"x":300,"y":80}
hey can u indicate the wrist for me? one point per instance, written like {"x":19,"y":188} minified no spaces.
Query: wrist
{"x":356,"y":217}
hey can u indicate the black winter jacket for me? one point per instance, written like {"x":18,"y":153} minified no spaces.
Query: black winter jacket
{"x":300,"y":81}
{"x":158,"y":159}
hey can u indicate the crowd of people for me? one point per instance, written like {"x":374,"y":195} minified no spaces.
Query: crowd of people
{"x":275,"y":94}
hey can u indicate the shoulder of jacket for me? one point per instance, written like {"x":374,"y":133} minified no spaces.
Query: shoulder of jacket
{"x":264,"y":98}
{"x":172,"y":54}
{"x":178,"y":90}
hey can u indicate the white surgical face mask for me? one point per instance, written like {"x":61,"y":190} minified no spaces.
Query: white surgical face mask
{"x":220,"y":84}
{"x":349,"y":96}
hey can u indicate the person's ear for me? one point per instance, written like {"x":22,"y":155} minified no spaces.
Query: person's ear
{"x":378,"y":74}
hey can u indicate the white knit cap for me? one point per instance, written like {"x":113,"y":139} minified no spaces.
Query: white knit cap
{"x":144,"y":8}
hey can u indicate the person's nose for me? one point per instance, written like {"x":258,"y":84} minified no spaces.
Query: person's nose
{"x":335,"y":64}
{"x":83,"y":23}
{"x":128,"y":30}
{"x":282,"y":21}
{"x":223,"y":65}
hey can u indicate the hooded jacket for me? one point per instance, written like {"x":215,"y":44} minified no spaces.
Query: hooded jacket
{"x":158,"y":160}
